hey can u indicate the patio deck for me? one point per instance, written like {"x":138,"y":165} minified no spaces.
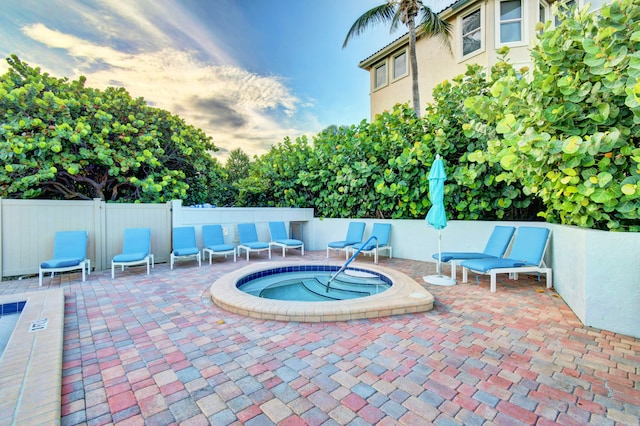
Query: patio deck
{"x":154,"y":349}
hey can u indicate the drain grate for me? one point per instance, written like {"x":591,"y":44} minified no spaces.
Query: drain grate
{"x":39,"y":325}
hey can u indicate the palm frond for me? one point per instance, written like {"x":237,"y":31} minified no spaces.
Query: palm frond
{"x":379,"y":14}
{"x":432,"y":25}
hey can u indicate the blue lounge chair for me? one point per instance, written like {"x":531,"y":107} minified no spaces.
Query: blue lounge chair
{"x":69,"y":254}
{"x":382,"y":233}
{"x":279,"y":238}
{"x":355,"y":231}
{"x":136,"y":248}
{"x":496,"y":247}
{"x":527,"y":255}
{"x":213,"y":239}
{"x":249,"y":240}
{"x":184,"y":244}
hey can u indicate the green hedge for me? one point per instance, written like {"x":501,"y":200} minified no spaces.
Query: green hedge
{"x":558,"y":142}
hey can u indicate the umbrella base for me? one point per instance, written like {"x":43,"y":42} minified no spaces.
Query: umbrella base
{"x":439,"y":280}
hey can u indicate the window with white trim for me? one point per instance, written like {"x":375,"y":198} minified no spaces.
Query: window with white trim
{"x":544,"y":13}
{"x":472,"y":40}
{"x":567,"y":4}
{"x":511,"y":21}
{"x":399,"y":65}
{"x":596,"y":4}
{"x":380,"y":74}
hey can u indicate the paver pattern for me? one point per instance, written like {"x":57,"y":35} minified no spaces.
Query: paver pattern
{"x":154,"y":349}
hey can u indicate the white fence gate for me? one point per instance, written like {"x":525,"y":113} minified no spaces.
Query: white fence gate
{"x":27,"y":229}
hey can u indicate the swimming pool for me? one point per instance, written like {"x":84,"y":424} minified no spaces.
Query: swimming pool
{"x":313,"y":283}
{"x":404,"y":295}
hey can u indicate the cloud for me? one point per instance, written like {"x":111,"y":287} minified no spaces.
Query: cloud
{"x":239,"y":109}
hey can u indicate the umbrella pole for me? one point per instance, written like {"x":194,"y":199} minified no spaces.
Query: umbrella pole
{"x":439,"y":279}
{"x":439,"y":269}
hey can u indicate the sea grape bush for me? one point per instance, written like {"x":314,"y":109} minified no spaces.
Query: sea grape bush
{"x":557,"y":142}
{"x":273,"y":178}
{"x":60,"y":139}
{"x":567,"y":133}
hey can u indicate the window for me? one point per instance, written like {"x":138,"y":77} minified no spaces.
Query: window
{"x":381,"y":75}
{"x":596,"y":4}
{"x":472,"y":32}
{"x":400,"y":65}
{"x":543,"y":13}
{"x":567,"y":5}
{"x":511,"y":21}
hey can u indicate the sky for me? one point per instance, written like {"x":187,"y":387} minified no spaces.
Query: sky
{"x":247,"y":72}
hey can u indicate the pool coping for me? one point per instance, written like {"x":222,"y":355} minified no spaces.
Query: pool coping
{"x":31,"y":365}
{"x":404,"y":297}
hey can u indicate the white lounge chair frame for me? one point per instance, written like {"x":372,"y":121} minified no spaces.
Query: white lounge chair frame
{"x":84,"y":265}
{"x":343,"y":245}
{"x":211,"y":252}
{"x":244,"y":246}
{"x":148,"y":260}
{"x":513,"y":272}
{"x":377,"y":249}
{"x":284,"y":243}
{"x":174,"y":257}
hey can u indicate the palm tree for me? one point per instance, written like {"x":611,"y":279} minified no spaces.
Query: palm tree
{"x":405,"y":11}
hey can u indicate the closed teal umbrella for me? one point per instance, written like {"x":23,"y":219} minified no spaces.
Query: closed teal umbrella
{"x":437,"y":217}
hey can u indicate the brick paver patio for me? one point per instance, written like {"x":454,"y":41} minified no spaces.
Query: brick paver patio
{"x":155,"y":350}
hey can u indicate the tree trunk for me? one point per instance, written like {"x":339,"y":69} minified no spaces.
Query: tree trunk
{"x":414,"y":66}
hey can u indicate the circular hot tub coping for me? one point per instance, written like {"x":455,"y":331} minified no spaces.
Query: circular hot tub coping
{"x":405,"y":296}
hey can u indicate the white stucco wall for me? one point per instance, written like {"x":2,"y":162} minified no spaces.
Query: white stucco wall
{"x":597,"y":273}
{"x":612,"y":275}
{"x":569,"y":267}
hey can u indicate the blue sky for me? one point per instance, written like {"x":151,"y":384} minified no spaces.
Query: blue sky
{"x":248,"y":72}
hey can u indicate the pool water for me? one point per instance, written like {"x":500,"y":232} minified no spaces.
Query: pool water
{"x":314,"y":286}
{"x":9,"y":315}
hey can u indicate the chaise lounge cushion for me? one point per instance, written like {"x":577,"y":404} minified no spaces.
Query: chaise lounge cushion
{"x":60,"y":263}
{"x":484,"y":265}
{"x":447,"y":256}
{"x":289,"y":242}
{"x":189,"y":251}
{"x":220,"y":247}
{"x":342,"y":244}
{"x":256,"y":245}
{"x":129,"y":257}
{"x":365,"y":247}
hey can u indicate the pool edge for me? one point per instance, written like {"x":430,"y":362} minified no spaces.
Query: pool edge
{"x":31,"y":366}
{"x":406,"y":296}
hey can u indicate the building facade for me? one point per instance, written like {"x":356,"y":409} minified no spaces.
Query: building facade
{"x":479,"y":29}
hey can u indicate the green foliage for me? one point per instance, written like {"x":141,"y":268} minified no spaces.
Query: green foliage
{"x":60,"y":139}
{"x":349,"y":168}
{"x":474,"y":189}
{"x":568,"y":132}
{"x":236,"y":168}
{"x":380,"y":169}
{"x":559,"y":141}
{"x":273,"y":179}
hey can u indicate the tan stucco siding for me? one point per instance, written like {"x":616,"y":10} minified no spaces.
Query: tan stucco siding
{"x":436,"y":63}
{"x":384,"y":98}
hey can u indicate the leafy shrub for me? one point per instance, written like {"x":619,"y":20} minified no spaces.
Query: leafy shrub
{"x":60,"y":139}
{"x":568,"y":133}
